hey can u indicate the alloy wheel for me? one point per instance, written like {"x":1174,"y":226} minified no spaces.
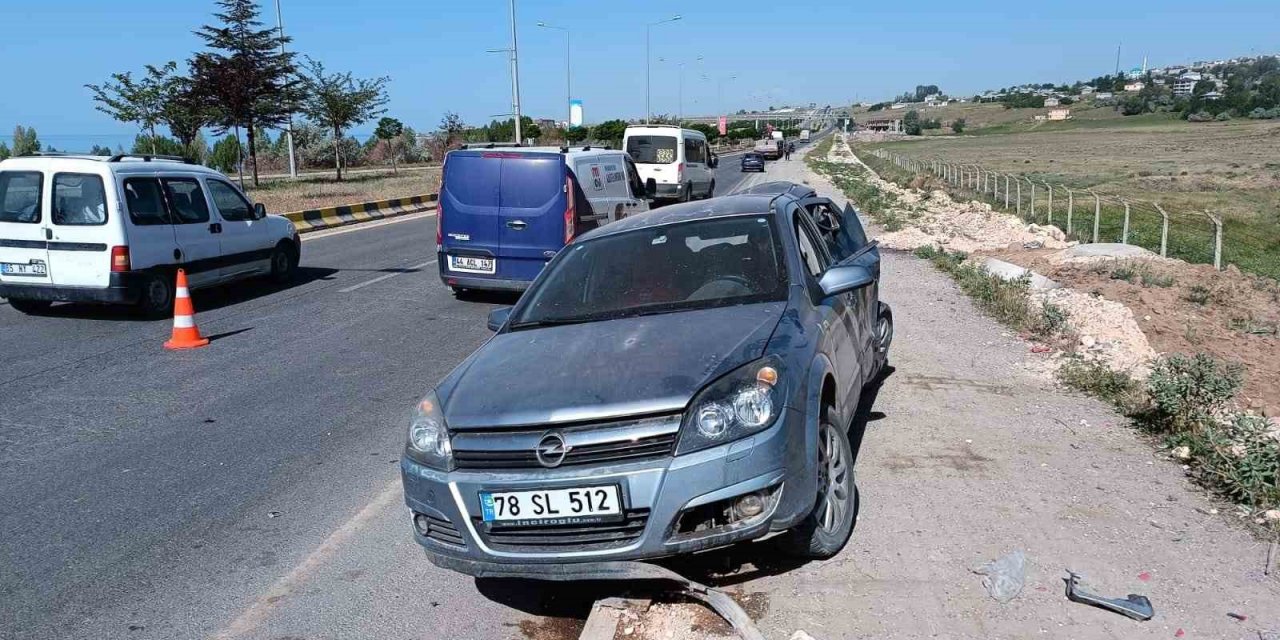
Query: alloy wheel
{"x":833,"y":467}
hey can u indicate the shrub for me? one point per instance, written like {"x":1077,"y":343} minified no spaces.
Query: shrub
{"x":1097,"y":379}
{"x":1239,"y":458}
{"x":1199,"y":116}
{"x":1187,"y":392}
{"x":1222,"y":117}
{"x":957,"y":125}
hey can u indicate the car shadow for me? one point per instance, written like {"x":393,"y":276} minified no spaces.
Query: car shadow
{"x":552,"y":598}
{"x":204,"y":299}
{"x":500,"y":298}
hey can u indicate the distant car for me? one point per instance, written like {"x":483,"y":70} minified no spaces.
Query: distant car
{"x":116,"y":229}
{"x":752,"y":161}
{"x":505,"y":212}
{"x":671,"y":383}
{"x":679,"y":161}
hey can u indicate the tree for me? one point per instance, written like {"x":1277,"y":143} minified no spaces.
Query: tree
{"x":25,"y":141}
{"x":957,"y":125}
{"x":707,"y":130}
{"x":139,"y":101}
{"x":609,"y":131}
{"x":911,"y":123}
{"x":4,"y":151}
{"x":186,"y":112}
{"x":1203,"y":86}
{"x":388,"y":130}
{"x":339,"y":101}
{"x":100,"y":151}
{"x":245,"y":77}
{"x":158,"y":145}
{"x":576,"y":134}
{"x":452,"y":126}
{"x":225,"y":156}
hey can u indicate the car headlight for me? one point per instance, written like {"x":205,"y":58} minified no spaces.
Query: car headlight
{"x":429,"y":435}
{"x":743,"y":402}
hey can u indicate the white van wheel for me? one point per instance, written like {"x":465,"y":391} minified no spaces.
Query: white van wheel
{"x":157,"y":295}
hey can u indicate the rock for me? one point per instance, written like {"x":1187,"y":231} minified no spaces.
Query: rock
{"x":1271,"y":515}
{"x":1182,"y":453}
{"x":1087,"y":341}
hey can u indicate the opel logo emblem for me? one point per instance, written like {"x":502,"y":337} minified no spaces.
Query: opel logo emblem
{"x":552,"y":450}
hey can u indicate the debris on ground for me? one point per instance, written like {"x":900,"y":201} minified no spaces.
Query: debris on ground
{"x":1004,"y":577}
{"x":1108,"y":331}
{"x":1133,"y":606}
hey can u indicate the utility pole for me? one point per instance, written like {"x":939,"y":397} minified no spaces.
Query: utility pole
{"x":1118,"y":57}
{"x":515,"y":75}
{"x":568,"y":75}
{"x":288,"y":128}
{"x":648,"y":111}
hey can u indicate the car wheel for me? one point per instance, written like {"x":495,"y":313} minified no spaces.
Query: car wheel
{"x":824,"y":532}
{"x":157,"y":295}
{"x":30,"y":307}
{"x":883,"y":335}
{"x":282,"y":264}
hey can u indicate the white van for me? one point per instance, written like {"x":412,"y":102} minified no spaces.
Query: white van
{"x":611,"y":182}
{"x":115,"y":230}
{"x":678,"y":160}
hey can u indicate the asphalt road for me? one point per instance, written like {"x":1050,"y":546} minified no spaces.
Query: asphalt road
{"x":248,"y":489}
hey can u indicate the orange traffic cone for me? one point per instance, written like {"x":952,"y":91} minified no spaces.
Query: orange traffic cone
{"x":185,"y":333}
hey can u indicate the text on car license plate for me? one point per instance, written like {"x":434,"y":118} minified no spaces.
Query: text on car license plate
{"x":550,"y":504}
{"x":472,"y":264}
{"x":34,"y":268}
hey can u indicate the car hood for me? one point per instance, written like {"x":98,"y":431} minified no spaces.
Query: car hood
{"x":603,"y":370}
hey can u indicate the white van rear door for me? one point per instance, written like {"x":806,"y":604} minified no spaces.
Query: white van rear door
{"x":24,"y":255}
{"x":84,"y":228}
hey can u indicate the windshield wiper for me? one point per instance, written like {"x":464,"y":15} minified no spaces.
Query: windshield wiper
{"x":549,"y":322}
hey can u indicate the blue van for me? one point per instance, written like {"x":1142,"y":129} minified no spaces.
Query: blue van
{"x":505,"y":212}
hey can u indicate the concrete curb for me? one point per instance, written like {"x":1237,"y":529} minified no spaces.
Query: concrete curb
{"x":329,"y":217}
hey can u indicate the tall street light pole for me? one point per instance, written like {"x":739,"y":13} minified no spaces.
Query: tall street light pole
{"x":568,"y":75}
{"x":293,"y":165}
{"x":648,"y":112}
{"x":515,"y":74}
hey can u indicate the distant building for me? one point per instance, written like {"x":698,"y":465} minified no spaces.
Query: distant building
{"x":1060,"y":114}
{"x":937,"y":103}
{"x":1051,"y":102}
{"x":1136,"y":85}
{"x":1212,"y":95}
{"x":1183,"y":86}
{"x":1086,"y":90}
{"x":1103,"y":95}
{"x":898,"y":105}
{"x":884,"y":125}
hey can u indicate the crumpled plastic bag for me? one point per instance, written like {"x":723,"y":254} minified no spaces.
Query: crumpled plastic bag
{"x":1003,"y":578}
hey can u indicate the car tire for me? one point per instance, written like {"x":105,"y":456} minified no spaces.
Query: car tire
{"x":158,"y":291}
{"x":30,"y":307}
{"x":824,"y":532}
{"x":283,"y":263}
{"x":883,"y":337}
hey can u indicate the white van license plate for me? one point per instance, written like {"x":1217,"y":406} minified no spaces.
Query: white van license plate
{"x":34,"y":268}
{"x":472,"y":264}
{"x":553,"y":506}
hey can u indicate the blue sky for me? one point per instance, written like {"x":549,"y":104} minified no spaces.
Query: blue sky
{"x":826,"y":51}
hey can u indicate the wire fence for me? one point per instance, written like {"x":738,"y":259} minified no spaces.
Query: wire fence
{"x":1086,"y":216}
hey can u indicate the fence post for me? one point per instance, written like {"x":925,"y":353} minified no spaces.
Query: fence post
{"x":1097,"y":213}
{"x":1217,"y":240}
{"x":1050,"y":190}
{"x":1124,"y":237}
{"x":1006,"y":192}
{"x":1164,"y":231}
{"x":1019,"y":181}
{"x":1071,"y":207}
{"x":1033,"y":199}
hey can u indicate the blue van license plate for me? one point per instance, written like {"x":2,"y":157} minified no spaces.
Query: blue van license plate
{"x":473,"y":264}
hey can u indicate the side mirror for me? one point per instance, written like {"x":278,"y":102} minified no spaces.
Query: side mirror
{"x":843,"y":279}
{"x":498,"y":317}
{"x":650,"y":188}
{"x":259,"y":211}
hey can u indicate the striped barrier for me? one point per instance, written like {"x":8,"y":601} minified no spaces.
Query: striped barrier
{"x":329,"y":217}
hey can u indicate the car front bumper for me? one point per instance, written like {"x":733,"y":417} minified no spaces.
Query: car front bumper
{"x":122,"y":288}
{"x":778,"y":459}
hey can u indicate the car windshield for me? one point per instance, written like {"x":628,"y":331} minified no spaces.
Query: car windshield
{"x":690,"y":265}
{"x":652,"y":149}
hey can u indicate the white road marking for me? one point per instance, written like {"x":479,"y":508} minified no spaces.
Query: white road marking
{"x":385,"y":277}
{"x":257,"y":613}
{"x":361,"y":226}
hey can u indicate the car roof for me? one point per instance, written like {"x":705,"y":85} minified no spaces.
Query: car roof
{"x":568,"y":152}
{"x":721,"y":207}
{"x":660,"y":128}
{"x":103,"y":165}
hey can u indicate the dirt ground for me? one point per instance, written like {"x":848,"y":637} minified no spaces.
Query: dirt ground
{"x":317,"y":191}
{"x":972,"y":453}
{"x":1186,"y":308}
